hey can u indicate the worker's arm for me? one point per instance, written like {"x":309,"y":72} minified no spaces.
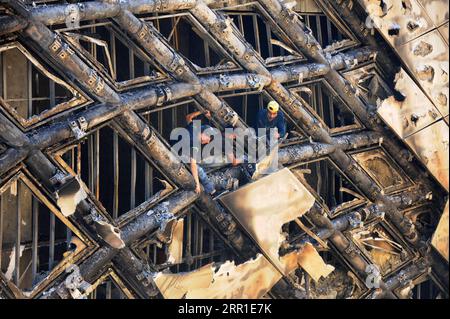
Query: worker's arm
{"x":281,"y":125}
{"x":233,"y":160}
{"x":259,"y":121}
{"x":191,"y":116}
{"x":194,"y":172}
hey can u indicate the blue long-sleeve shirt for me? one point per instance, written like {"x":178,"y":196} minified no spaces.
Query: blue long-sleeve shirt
{"x":263,"y":122}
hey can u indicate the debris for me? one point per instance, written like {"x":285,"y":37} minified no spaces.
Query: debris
{"x":440,"y":236}
{"x":69,"y":195}
{"x":175,"y":248}
{"x":262,"y":214}
{"x":109,"y":233}
{"x":176,"y":286}
{"x":310,"y":260}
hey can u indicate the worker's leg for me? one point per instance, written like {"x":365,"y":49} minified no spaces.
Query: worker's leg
{"x":205,"y":180}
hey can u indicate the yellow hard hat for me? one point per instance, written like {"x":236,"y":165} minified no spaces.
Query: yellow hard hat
{"x":273,"y":107}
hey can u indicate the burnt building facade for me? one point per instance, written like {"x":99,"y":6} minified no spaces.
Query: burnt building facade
{"x":94,"y":204}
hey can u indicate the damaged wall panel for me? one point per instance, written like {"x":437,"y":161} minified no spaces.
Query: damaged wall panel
{"x":417,"y":122}
{"x":412,"y":114}
{"x":250,"y":280}
{"x":264,"y":206}
{"x":428,"y":59}
{"x":409,"y":29}
{"x":440,"y":236}
{"x":433,"y":155}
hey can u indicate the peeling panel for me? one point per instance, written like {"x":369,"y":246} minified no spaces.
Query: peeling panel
{"x":435,"y":154}
{"x":175,"y":286}
{"x":312,"y":263}
{"x":175,"y":248}
{"x":427,"y":58}
{"x":250,"y":280}
{"x":440,"y":236}
{"x":437,"y":10}
{"x":411,"y":115}
{"x":264,"y":206}
{"x":443,"y":30}
{"x":411,"y":20}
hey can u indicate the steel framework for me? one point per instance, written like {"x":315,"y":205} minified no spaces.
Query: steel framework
{"x":90,"y":92}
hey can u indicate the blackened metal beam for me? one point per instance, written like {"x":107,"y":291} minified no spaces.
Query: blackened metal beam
{"x":10,"y":24}
{"x":147,"y":222}
{"x":148,"y":37}
{"x":51,"y":14}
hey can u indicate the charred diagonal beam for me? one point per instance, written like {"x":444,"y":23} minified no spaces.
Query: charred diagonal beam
{"x":92,"y":267}
{"x":309,"y":46}
{"x":225,"y":32}
{"x":346,"y":10}
{"x":353,"y":255}
{"x":148,"y":37}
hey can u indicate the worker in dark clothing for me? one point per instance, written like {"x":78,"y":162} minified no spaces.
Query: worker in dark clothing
{"x":270,"y":118}
{"x":197,"y":139}
{"x":200,"y":135}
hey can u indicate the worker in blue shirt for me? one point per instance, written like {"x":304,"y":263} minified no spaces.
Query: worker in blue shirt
{"x":272,"y":117}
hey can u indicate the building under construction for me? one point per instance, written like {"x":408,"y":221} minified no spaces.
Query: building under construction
{"x":95,"y":204}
